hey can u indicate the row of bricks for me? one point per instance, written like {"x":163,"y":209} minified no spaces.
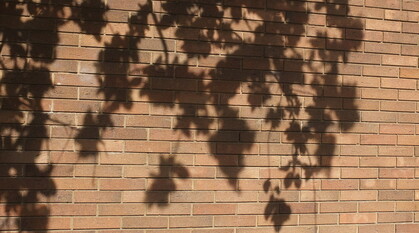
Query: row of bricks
{"x":204,"y":224}
{"x":216,"y":221}
{"x":187,"y":39}
{"x":210,"y":172}
{"x":346,"y":201}
{"x":305,"y":96}
{"x":185,"y":147}
{"x":224,"y":123}
{"x":388,"y":156}
{"x":313,"y":15}
{"x":223,"y":81}
{"x":274,"y":34}
{"x":226,"y":134}
{"x":142,"y":114}
{"x":238,"y":209}
{"x":179,"y":52}
{"x":313,"y":68}
{"x":234,"y":92}
{"x":293,"y":6}
{"x":220,"y":139}
{"x":317,"y":65}
{"x":406,"y":191}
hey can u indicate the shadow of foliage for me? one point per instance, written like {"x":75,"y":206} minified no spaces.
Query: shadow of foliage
{"x":164,"y":181}
{"x":251,"y":53}
{"x":29,"y":35}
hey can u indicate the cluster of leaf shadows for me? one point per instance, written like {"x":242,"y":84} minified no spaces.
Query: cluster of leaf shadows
{"x":203,"y":29}
{"x":29,"y":35}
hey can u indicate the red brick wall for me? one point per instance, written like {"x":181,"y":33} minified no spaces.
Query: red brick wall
{"x":226,"y":116}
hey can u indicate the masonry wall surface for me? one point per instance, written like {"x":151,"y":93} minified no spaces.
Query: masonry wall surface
{"x":197,"y":116}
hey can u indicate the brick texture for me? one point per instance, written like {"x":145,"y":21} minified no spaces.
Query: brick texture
{"x":221,"y":116}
